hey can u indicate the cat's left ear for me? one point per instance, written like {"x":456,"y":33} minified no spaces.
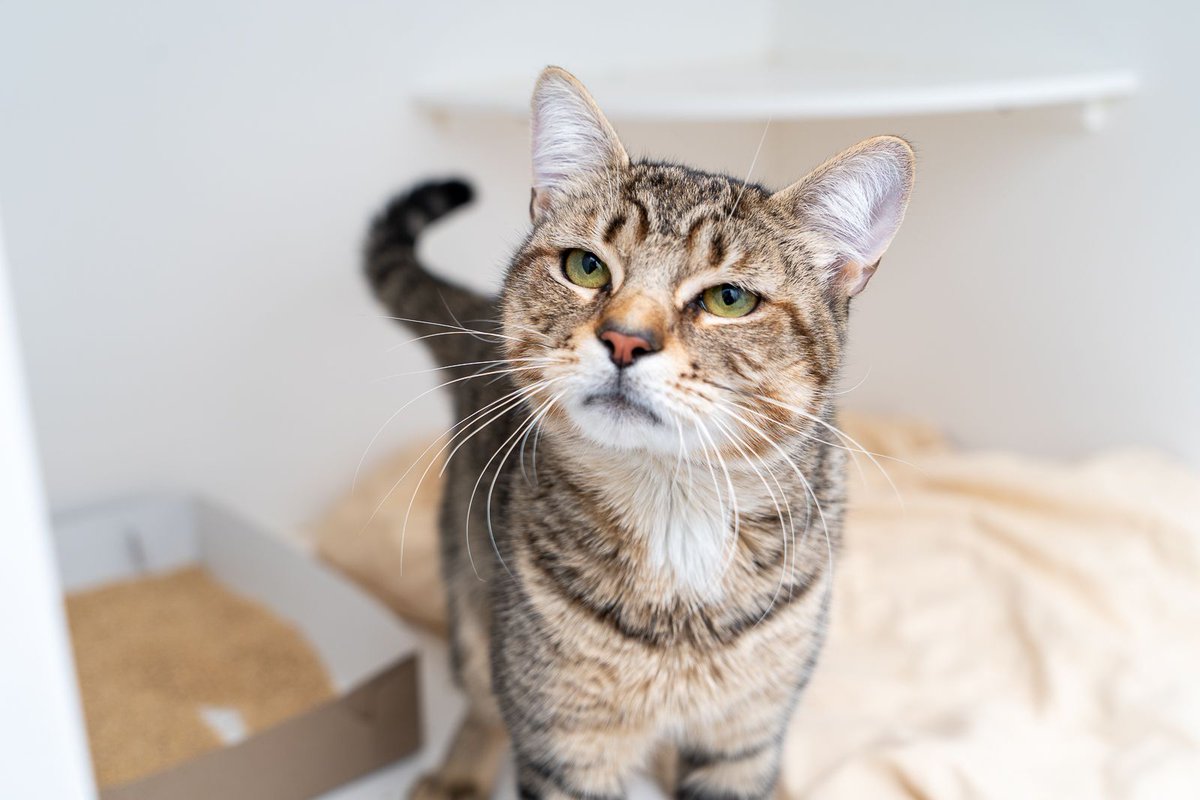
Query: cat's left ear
{"x":571,"y":137}
{"x":853,"y":204}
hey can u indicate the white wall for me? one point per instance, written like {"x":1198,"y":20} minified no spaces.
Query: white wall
{"x":186,"y":185}
{"x":1042,"y":293}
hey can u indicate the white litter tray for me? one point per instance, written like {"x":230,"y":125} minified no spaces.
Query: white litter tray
{"x":369,"y":655}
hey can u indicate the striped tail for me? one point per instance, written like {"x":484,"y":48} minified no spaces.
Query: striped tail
{"x":392,"y":242}
{"x":421,"y":299}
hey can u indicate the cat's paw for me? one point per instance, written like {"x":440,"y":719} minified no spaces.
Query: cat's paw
{"x":432,"y":787}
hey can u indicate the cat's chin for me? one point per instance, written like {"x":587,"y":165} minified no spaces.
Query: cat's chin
{"x":618,"y":424}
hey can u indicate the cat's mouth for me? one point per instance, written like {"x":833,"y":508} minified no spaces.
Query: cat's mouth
{"x":618,"y":401}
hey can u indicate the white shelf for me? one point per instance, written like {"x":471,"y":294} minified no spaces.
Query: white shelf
{"x":829,"y":90}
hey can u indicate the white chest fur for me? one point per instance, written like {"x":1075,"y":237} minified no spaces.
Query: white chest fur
{"x":685,"y":523}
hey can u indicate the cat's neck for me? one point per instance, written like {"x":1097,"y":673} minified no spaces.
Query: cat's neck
{"x":686,"y":515}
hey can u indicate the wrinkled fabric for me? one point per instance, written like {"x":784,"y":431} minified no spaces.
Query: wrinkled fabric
{"x":1003,"y":626}
{"x":1007,"y":627}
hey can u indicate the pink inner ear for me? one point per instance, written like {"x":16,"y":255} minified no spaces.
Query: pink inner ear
{"x":538,"y":203}
{"x":856,"y":202}
{"x":854,"y":276}
{"x":885,"y":221}
{"x":570,"y":138}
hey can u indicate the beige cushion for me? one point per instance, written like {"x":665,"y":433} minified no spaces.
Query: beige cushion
{"x":1014,"y":628}
{"x":364,"y":535}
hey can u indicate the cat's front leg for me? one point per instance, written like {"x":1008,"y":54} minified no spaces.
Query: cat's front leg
{"x":748,"y":774}
{"x":567,"y":764}
{"x":734,"y":759}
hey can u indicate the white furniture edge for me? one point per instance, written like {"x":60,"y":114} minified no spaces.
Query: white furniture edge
{"x":43,"y":747}
{"x":1092,"y":89}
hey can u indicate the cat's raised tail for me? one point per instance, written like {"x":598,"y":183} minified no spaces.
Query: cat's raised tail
{"x":414,"y":296}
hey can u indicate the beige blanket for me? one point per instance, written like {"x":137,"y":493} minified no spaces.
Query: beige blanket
{"x":1004,"y":627}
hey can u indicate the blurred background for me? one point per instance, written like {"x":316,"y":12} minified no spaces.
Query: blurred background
{"x":185,"y":186}
{"x":184,"y":189}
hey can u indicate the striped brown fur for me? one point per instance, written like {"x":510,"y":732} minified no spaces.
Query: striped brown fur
{"x":587,"y":622}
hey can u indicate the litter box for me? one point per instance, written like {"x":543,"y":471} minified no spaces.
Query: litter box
{"x":369,"y":656}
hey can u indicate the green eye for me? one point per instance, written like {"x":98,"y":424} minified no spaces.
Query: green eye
{"x":585,"y":269}
{"x":728,"y":300}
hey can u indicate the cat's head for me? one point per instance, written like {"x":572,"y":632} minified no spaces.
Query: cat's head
{"x":656,"y":307}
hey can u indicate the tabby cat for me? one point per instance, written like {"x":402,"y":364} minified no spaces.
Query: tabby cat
{"x":645,"y":497}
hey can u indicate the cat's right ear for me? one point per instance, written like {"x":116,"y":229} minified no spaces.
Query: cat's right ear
{"x":852,"y":206}
{"x":571,"y":137}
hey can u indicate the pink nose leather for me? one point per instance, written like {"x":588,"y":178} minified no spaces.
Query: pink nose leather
{"x":624,"y":348}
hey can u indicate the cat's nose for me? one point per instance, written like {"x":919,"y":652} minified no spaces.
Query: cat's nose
{"x":625,"y":347}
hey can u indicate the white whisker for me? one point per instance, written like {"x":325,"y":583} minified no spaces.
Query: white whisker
{"x":816,"y":501}
{"x":860,"y":382}
{"x":514,"y":400}
{"x":534,"y":361}
{"x":845,"y":436}
{"x":499,"y":467}
{"x":465,"y":421}
{"x":750,"y":171}
{"x":704,"y":432}
{"x":400,"y":410}
{"x":415,"y":321}
{"x":787,"y":532}
{"x":427,"y":336}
